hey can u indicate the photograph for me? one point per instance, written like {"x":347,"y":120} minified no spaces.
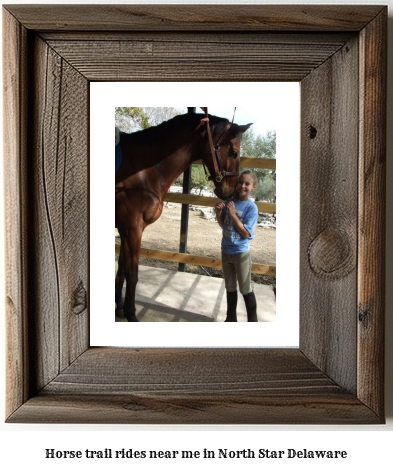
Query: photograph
{"x":221,"y":208}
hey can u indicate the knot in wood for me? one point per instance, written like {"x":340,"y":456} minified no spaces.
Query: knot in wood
{"x":313,"y":132}
{"x":330,"y":254}
{"x":363,"y":315}
{"x":80,"y":299}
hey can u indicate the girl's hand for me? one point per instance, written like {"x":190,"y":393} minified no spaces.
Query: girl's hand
{"x":231,"y":208}
{"x":219,"y":207}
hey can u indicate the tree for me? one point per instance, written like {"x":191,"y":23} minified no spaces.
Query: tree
{"x":266,"y":189}
{"x":131,"y":119}
{"x":258,"y":146}
{"x":198,"y":178}
{"x":158,"y":115}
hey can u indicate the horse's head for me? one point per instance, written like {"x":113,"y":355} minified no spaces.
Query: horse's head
{"x":224,"y":160}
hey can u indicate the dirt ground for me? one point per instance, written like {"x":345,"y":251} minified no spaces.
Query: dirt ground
{"x":204,"y":238}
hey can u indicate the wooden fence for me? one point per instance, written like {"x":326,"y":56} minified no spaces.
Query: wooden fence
{"x":186,"y":199}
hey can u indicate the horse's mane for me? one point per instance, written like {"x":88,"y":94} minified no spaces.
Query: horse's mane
{"x":171,"y":126}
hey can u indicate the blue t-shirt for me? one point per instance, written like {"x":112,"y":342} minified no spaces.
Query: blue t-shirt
{"x":232,"y":242}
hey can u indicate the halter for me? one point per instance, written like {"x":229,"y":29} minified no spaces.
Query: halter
{"x":215,"y":149}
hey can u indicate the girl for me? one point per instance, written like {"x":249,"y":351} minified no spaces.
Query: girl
{"x":238,"y":217}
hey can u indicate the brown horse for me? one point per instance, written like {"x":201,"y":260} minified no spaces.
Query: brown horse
{"x":151,"y":160}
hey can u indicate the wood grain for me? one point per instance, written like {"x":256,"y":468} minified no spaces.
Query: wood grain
{"x":336,"y":374}
{"x":59,"y":218}
{"x":194,"y":56}
{"x":193,"y":386}
{"x":329,"y":200}
{"x":16,"y":258}
{"x":187,"y":17}
{"x":372,"y":207}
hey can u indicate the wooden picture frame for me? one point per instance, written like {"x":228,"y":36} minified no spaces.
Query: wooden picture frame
{"x":338,"y":54}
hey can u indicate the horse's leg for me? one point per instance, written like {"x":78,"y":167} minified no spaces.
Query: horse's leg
{"x":119,"y":282}
{"x":131,"y":253}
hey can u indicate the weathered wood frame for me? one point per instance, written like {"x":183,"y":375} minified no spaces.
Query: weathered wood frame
{"x":338,"y":53}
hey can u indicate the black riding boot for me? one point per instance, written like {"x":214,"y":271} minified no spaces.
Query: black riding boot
{"x":231,"y":307}
{"x":251,"y":306}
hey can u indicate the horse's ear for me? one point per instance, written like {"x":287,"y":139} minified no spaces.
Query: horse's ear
{"x":240,"y":129}
{"x":244,"y":128}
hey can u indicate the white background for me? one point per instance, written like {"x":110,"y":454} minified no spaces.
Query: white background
{"x":369,"y":447}
{"x":273,"y":106}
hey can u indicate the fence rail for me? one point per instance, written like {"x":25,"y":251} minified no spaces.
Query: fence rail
{"x":267,"y":207}
{"x":247,"y":162}
{"x":191,"y":259}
